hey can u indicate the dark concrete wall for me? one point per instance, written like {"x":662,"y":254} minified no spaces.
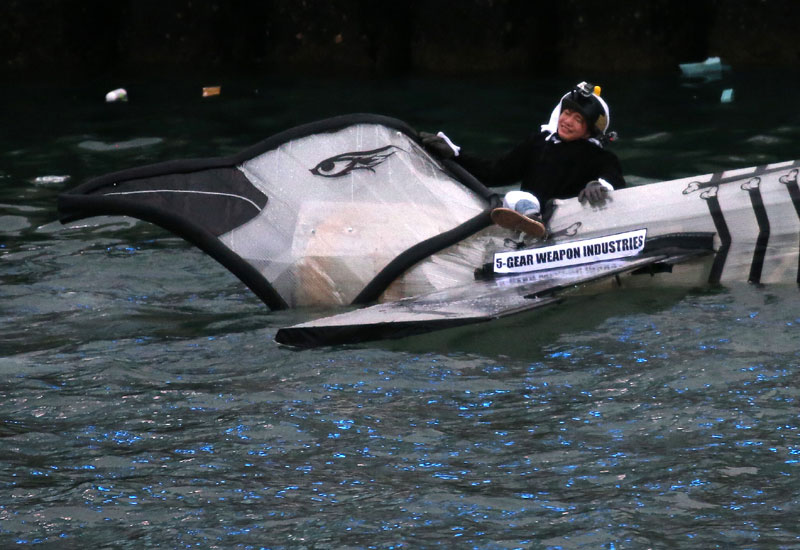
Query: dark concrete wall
{"x":453,"y":37}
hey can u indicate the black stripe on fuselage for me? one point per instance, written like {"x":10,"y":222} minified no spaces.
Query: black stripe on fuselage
{"x":719,"y":223}
{"x":790,"y":181}
{"x":753,"y":188}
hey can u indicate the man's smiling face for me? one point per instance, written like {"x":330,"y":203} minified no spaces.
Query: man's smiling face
{"x":572,"y":125}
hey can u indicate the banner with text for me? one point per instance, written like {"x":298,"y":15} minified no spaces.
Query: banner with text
{"x":608,"y":247}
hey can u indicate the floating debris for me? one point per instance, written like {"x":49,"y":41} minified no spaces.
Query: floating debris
{"x":120,"y":94}
{"x":710,"y":70}
{"x":727,"y":95}
{"x":710,"y":67}
{"x":47,"y":180}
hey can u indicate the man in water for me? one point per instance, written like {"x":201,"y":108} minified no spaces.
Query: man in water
{"x":567,"y":158}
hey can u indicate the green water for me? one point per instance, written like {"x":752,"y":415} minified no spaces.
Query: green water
{"x":145,"y":405}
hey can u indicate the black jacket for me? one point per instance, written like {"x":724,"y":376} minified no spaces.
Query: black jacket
{"x":550,"y":169}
